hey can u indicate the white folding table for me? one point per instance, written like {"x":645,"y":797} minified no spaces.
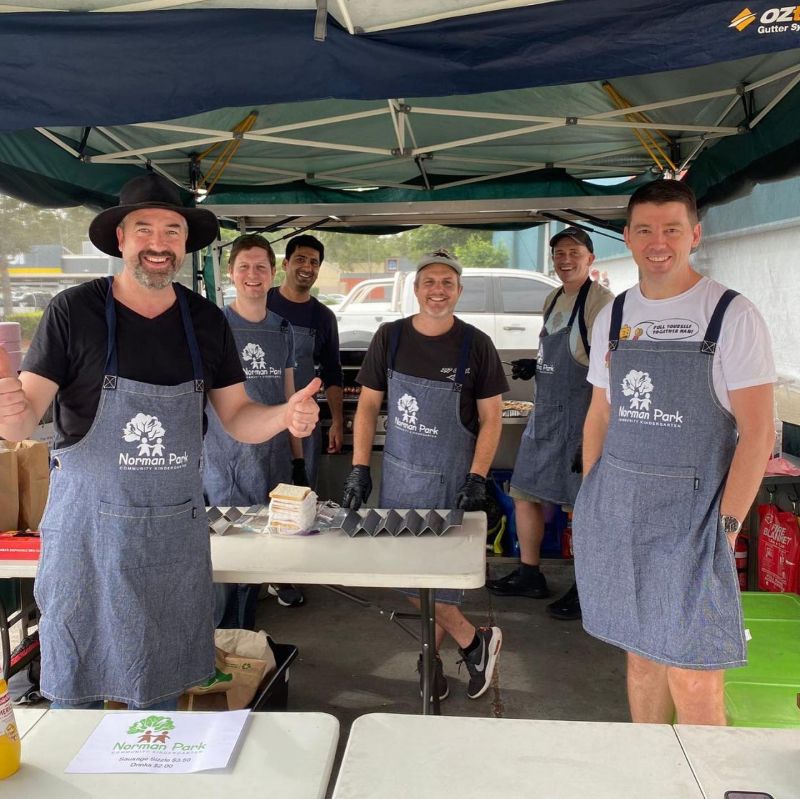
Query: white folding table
{"x":289,"y":755}
{"x":427,"y":757}
{"x":456,"y":559}
{"x":27,"y":718}
{"x":743,"y":759}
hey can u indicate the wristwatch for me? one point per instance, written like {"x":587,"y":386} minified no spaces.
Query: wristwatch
{"x":729,"y":525}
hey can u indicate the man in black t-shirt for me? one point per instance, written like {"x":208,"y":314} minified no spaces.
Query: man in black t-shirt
{"x":316,"y":339}
{"x":124,"y":580}
{"x":444,"y":383}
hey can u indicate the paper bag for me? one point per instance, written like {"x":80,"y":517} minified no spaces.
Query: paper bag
{"x":33,"y":463}
{"x":9,"y":488}
{"x":248,"y":658}
{"x":243,"y":658}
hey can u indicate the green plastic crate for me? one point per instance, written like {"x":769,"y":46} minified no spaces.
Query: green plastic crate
{"x":763,"y":605}
{"x":757,"y":705}
{"x":764,"y":693}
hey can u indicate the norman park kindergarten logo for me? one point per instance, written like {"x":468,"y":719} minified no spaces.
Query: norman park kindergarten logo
{"x":147,"y":434}
{"x":638,"y":388}
{"x":152,"y":734}
{"x":254,"y":362}
{"x":406,"y":418}
{"x":779,"y":19}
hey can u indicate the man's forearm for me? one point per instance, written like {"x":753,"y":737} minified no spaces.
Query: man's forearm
{"x":746,"y":473}
{"x":364,"y":433}
{"x":254,"y":423}
{"x":334,"y":396}
{"x":486,"y":445}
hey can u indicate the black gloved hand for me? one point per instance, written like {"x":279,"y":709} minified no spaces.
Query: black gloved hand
{"x":523,"y":369}
{"x":299,"y":475}
{"x":577,"y":461}
{"x":357,"y":488}
{"x":472,"y":495}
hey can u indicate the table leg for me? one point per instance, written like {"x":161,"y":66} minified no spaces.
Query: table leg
{"x":428,"y":619}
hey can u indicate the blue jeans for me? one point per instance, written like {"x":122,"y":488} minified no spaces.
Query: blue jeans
{"x":166,"y":704}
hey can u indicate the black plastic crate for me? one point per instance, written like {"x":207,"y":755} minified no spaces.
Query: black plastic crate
{"x":273,"y":693}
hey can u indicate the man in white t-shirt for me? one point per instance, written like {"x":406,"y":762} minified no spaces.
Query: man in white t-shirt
{"x":676,"y":439}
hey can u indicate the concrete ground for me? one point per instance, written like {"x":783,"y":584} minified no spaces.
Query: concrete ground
{"x":353,"y":660}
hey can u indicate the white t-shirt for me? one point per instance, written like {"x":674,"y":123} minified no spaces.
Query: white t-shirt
{"x":744,"y":351}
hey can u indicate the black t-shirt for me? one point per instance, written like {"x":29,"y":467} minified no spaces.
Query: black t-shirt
{"x":313,"y":314}
{"x":436,"y":358}
{"x":69,"y":348}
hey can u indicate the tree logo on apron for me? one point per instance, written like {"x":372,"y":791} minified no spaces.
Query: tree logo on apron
{"x":639,"y":387}
{"x":147,"y":433}
{"x":408,"y":408}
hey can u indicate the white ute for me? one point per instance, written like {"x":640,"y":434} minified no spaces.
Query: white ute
{"x":506,"y":304}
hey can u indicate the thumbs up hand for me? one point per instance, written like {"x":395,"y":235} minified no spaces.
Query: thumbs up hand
{"x":302,"y":411}
{"x":13,"y":402}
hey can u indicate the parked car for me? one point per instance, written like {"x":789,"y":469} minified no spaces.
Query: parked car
{"x":506,"y":304}
{"x":34,"y":300}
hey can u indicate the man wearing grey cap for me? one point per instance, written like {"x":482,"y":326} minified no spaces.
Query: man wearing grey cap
{"x":444,"y":382}
{"x":548,"y":467}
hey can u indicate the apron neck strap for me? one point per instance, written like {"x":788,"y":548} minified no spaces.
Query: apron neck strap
{"x":616,"y":321}
{"x":112,"y":362}
{"x":709,"y":345}
{"x":463,"y":357}
{"x":577,"y":310}
{"x":551,"y":306}
{"x":394,"y":342}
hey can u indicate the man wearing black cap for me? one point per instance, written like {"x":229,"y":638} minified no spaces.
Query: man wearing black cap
{"x":548,"y":467}
{"x":124,"y":582}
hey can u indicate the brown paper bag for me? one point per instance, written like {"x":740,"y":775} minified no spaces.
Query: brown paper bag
{"x":9,"y":488}
{"x":239,"y":672}
{"x":33,"y":461}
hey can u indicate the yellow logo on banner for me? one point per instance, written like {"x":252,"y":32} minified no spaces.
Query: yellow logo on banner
{"x":742,"y":19}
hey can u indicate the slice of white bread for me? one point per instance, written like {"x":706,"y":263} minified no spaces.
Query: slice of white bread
{"x":290,"y":492}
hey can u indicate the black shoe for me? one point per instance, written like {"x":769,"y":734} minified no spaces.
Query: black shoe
{"x":288,"y":596}
{"x":514,"y":584}
{"x":439,"y":680}
{"x":568,"y":608}
{"x":482,"y":661}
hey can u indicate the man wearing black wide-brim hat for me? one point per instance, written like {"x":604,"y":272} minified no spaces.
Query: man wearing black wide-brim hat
{"x":124,"y":582}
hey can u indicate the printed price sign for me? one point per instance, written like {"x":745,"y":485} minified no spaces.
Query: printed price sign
{"x":148,"y":742}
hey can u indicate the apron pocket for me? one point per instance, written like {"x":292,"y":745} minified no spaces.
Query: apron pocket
{"x":548,"y":421}
{"x":658,"y":495}
{"x":410,"y":485}
{"x":135,"y":537}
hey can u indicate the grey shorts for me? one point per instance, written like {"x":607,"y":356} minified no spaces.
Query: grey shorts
{"x":447,"y":596}
{"x":517,"y":493}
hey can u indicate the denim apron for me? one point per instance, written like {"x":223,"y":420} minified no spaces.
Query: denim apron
{"x":304,"y":340}
{"x":655,"y":574}
{"x":554,"y":431}
{"x":124,"y":582}
{"x":243,"y":474}
{"x":427,"y":452}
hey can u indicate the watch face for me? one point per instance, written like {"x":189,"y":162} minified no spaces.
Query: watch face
{"x":730,"y":524}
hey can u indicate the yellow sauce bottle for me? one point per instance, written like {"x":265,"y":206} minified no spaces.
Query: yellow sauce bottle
{"x":9,"y":735}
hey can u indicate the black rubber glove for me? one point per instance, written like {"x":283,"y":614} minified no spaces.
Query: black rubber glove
{"x":357,"y":488}
{"x":472,"y":495}
{"x":299,"y":476}
{"x":523,"y":369}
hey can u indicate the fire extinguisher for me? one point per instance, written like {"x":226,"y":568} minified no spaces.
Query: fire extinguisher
{"x":740,"y":551}
{"x":566,"y":538}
